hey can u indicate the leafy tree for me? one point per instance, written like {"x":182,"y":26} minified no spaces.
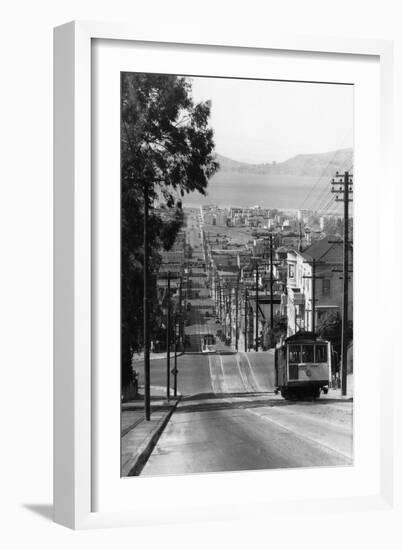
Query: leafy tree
{"x":330,"y":328}
{"x":167,"y":150}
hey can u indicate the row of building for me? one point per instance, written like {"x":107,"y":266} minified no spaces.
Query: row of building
{"x":265,"y":218}
{"x":287,"y":285}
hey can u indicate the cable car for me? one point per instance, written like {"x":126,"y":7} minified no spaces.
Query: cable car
{"x":302,"y":365}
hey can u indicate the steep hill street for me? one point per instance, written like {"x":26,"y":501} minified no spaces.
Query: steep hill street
{"x":229,"y":416}
{"x":230,"y":419}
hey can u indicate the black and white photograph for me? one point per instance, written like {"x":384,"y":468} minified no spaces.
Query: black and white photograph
{"x":236,"y":274}
{"x":201,"y":221}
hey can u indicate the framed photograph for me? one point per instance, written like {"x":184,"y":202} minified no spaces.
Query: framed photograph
{"x":213,"y":205}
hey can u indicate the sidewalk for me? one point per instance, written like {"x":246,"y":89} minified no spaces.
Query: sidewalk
{"x":137,"y":357}
{"x":336,"y":393}
{"x":138,"y":436}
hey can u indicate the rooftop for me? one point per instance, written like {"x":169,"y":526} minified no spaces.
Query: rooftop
{"x":325,"y":251}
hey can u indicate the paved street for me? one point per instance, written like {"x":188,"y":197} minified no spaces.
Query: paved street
{"x":217,"y":373}
{"x":229,"y":419}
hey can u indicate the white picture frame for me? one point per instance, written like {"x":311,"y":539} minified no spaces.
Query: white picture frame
{"x":75,"y":410}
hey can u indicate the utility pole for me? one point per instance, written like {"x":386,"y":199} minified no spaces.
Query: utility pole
{"x":214,"y":280}
{"x":246,"y":319}
{"x":224,"y":300}
{"x":345,"y":188}
{"x":180,"y":310}
{"x":236,"y":312}
{"x":169,"y":337}
{"x":178,"y":320}
{"x":300,"y":238}
{"x":257,"y":308}
{"x":236,"y":318}
{"x":313,"y":297}
{"x":219,"y":298}
{"x":225,"y":312}
{"x":230,"y":315}
{"x":175,"y":369}
{"x":146,"y":335}
{"x":271,"y":282}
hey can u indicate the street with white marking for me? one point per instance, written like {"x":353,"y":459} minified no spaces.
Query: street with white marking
{"x":229,"y":417}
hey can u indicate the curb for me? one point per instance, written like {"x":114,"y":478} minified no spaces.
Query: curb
{"x":145,"y":450}
{"x":140,"y":398}
{"x":163,"y":356}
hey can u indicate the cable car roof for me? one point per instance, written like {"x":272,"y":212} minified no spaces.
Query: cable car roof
{"x":304,"y":337}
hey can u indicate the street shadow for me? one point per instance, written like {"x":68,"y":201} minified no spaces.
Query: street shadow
{"x":203,"y":402}
{"x":214,"y":405}
{"x":212,"y":395}
{"x":156,"y":405}
{"x":329,"y":400}
{"x":43,"y":510}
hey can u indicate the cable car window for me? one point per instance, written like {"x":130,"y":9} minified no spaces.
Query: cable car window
{"x":294,"y":354}
{"x":307,"y":354}
{"x":321,"y":353}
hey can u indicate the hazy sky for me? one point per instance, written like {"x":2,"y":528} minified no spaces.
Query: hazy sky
{"x":261,"y":121}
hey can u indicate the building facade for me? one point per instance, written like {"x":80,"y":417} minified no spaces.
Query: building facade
{"x":328,"y":285}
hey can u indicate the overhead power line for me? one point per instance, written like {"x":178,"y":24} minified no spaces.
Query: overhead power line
{"x":323,"y":174}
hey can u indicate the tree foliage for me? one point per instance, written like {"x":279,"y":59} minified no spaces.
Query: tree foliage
{"x":330,"y":328}
{"x":167,"y":150}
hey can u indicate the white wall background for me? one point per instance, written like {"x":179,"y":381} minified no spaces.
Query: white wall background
{"x":26,"y":266}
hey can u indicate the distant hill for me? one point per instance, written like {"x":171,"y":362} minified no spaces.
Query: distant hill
{"x":319,"y":164}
